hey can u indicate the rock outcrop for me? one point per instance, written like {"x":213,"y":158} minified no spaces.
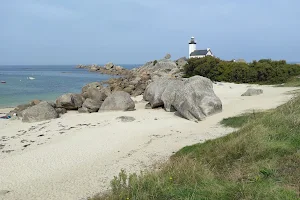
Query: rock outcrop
{"x":118,"y":101}
{"x":109,"y":68}
{"x":40,"y":112}
{"x":253,"y":92}
{"x":70,"y":101}
{"x":136,"y":82}
{"x":160,"y":68}
{"x":181,"y":62}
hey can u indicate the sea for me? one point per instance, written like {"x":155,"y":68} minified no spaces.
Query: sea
{"x":44,"y":82}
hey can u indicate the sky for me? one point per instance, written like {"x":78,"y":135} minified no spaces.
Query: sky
{"x":34,"y":32}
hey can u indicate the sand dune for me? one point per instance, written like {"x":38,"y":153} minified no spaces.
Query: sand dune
{"x":77,"y":155}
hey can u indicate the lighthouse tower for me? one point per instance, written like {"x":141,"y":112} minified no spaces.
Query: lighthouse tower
{"x":192,"y":46}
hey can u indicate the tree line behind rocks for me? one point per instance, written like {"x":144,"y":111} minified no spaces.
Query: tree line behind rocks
{"x":263,"y":71}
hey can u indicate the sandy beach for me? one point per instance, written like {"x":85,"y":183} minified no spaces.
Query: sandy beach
{"x":77,"y":155}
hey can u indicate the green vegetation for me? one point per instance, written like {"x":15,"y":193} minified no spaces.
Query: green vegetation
{"x":292,"y":82}
{"x":239,"y":121}
{"x":154,"y":62}
{"x":262,"y":71}
{"x":259,"y":161}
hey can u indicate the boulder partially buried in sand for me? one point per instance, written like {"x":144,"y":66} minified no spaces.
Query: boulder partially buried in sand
{"x":253,"y":92}
{"x":196,"y":99}
{"x":154,"y":91}
{"x":40,"y":112}
{"x":118,"y":101}
{"x":193,"y":98}
{"x":70,"y":101}
{"x":169,"y":94}
{"x":91,"y":105}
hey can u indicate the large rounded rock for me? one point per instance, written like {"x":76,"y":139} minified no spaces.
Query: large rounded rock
{"x":154,"y":92}
{"x":253,"y":92}
{"x":91,"y":105}
{"x":196,"y":99}
{"x":118,"y":101}
{"x":40,"y":112}
{"x":95,"y":85}
{"x":96,"y":94}
{"x":169,"y":94}
{"x":70,"y":101}
{"x":19,"y":110}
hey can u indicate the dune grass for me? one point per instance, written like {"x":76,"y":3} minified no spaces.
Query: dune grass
{"x":259,"y":161}
{"x":292,"y":82}
{"x":240,"y":120}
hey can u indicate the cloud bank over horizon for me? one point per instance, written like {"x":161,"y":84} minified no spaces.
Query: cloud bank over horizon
{"x":134,"y":31}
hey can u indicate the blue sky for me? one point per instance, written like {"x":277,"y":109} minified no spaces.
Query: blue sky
{"x":136,"y":31}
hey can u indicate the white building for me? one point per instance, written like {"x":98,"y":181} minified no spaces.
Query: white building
{"x":194,"y":53}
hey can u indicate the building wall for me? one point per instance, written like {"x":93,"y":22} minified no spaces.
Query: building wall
{"x":192,"y":48}
{"x":209,"y":53}
{"x":197,"y":56}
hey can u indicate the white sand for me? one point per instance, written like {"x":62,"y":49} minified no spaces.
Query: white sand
{"x":77,"y":155}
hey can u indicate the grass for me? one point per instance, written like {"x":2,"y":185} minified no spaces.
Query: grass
{"x":259,"y":161}
{"x":239,"y":121}
{"x":292,"y":82}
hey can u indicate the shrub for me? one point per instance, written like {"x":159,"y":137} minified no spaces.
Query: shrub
{"x":262,"y":71}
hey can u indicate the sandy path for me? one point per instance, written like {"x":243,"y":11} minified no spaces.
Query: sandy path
{"x":77,"y":155}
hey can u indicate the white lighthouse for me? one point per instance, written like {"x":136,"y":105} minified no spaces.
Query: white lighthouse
{"x":194,"y":53}
{"x":192,"y":46}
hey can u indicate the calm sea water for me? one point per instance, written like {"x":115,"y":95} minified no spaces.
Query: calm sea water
{"x":49,"y":83}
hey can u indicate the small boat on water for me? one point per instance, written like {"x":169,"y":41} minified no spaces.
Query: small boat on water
{"x":3,"y":81}
{"x":31,"y":78}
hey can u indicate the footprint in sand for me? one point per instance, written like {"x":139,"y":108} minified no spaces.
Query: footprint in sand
{"x":8,"y":151}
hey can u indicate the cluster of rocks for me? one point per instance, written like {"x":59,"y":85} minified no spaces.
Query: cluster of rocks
{"x":136,"y":82}
{"x":109,"y":68}
{"x":163,"y":68}
{"x":133,"y":84}
{"x":193,"y":98}
{"x":93,"y":98}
